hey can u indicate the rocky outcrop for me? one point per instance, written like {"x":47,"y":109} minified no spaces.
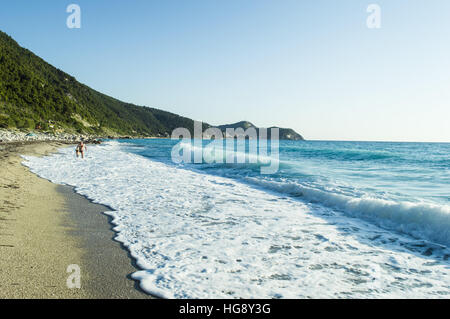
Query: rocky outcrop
{"x":9,"y":136}
{"x":284,"y":133}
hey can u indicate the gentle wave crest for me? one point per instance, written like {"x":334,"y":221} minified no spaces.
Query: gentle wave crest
{"x":197,"y":235}
{"x":421,"y":220}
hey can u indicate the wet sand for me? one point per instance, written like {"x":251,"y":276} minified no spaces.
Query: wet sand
{"x":44,"y":228}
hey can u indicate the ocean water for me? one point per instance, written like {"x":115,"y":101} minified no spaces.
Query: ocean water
{"x":337,"y":220}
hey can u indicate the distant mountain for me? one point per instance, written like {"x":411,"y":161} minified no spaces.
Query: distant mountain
{"x":34,"y":95}
{"x":284,"y":133}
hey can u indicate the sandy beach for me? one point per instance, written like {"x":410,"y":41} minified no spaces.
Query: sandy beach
{"x":44,"y":228}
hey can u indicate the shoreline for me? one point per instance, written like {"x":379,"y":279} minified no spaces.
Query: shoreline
{"x":45,"y":227}
{"x":14,"y":136}
{"x":104,"y":258}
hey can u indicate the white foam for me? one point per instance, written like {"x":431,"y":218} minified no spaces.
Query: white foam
{"x":422,"y":220}
{"x":223,"y":153}
{"x":201,"y":236}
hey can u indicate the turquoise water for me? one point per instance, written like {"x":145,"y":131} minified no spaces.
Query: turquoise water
{"x":397,"y":185}
{"x":336,"y":220}
{"x":414,"y":172}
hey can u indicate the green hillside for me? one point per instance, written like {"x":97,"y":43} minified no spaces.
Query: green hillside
{"x":284,"y":133}
{"x":34,"y":94}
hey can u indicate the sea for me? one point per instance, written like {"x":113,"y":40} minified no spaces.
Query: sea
{"x":335,"y":220}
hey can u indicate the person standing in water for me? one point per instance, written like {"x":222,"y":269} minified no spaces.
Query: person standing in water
{"x":81,"y":148}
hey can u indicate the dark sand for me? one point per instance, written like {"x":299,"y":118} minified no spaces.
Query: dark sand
{"x":107,"y":262}
{"x":46,"y":227}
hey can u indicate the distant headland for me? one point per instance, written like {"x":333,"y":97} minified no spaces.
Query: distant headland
{"x":37,"y":97}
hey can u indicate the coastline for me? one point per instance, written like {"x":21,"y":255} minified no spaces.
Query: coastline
{"x":45,"y":227}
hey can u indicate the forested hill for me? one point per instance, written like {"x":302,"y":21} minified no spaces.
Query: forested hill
{"x":34,"y":94}
{"x":284,"y":133}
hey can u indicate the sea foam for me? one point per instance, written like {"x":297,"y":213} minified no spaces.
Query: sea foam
{"x":421,"y":220}
{"x":196,"y":235}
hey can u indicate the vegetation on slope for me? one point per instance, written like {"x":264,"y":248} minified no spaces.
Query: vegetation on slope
{"x":284,"y":133}
{"x":36,"y":95}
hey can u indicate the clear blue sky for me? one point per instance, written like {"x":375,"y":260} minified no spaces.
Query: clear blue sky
{"x":310,"y":65}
